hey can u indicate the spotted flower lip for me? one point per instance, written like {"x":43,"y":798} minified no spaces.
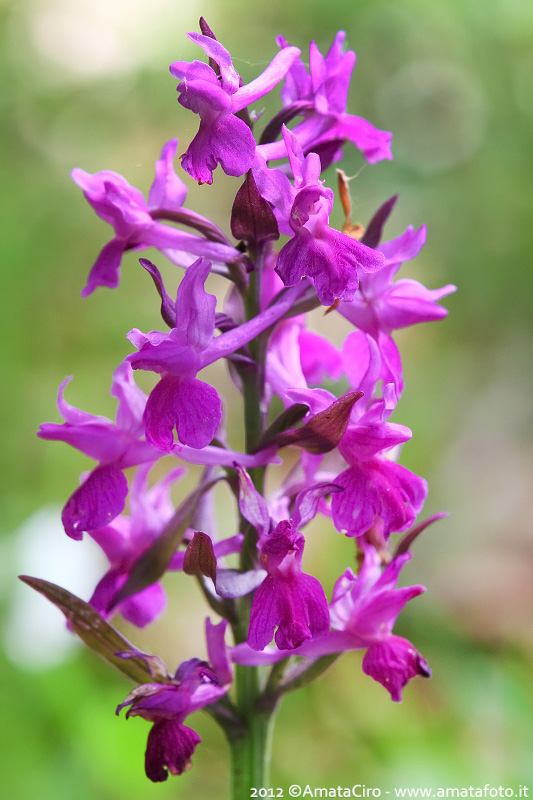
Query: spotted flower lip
{"x":223,"y":138}
{"x":288,"y":602}
{"x":135,"y":221}
{"x":289,"y":605}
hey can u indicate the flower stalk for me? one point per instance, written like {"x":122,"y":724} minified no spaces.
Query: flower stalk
{"x":288,"y":626}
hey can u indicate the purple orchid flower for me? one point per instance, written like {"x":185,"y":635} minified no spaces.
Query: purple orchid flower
{"x":380,"y":306}
{"x":115,"y":445}
{"x":297,"y":357}
{"x":377,"y":487}
{"x":288,"y":601}
{"x":368,"y":360}
{"x":363,"y":611}
{"x":330,"y":259}
{"x":374,"y":485}
{"x":135,"y":221}
{"x":320,"y":97}
{"x":180,"y":400}
{"x":195,"y":685}
{"x":366,"y":607}
{"x":222,"y":138}
{"x":125,"y":541}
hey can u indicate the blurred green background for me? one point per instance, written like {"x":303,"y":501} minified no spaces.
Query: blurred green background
{"x":86,"y":83}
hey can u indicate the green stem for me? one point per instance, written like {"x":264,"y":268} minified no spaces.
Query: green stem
{"x":250,"y":754}
{"x":250,"y":746}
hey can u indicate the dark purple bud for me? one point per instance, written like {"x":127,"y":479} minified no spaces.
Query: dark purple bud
{"x":374,"y":231}
{"x":252,"y":219}
{"x":206,"y":30}
{"x":200,"y":557}
{"x":325,"y":430}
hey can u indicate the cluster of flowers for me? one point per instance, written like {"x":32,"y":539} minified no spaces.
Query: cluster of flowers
{"x":346,"y":448}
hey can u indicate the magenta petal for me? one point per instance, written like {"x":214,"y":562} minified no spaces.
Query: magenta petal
{"x":233,"y":145}
{"x":106,"y":590}
{"x":252,"y":505}
{"x":71,"y":414}
{"x":106,"y":268}
{"x":169,"y":748}
{"x":297,"y":84}
{"x":199,"y":161}
{"x":99,"y":499}
{"x":393,"y":662}
{"x":200,"y":413}
{"x":296,"y":606}
{"x":131,"y":399}
{"x":303,"y":611}
{"x":372,"y":142}
{"x":361,"y":442}
{"x":307,"y":502}
{"x":263,"y":616}
{"x":409,"y":302}
{"x":377,"y":487}
{"x":190,"y":406}
{"x":218,"y":53}
{"x":362,"y":362}
{"x":114,"y":540}
{"x":195,"y":308}
{"x":168,"y":191}
{"x":270,"y":77}
{"x":100,"y":439}
{"x":331,"y":261}
{"x":319,"y":358}
{"x":378,"y":611}
{"x":404,"y":248}
{"x":246,"y":655}
{"x":161,"y":413}
{"x":144,"y":607}
{"x":140,"y":609}
{"x":217,"y":651}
